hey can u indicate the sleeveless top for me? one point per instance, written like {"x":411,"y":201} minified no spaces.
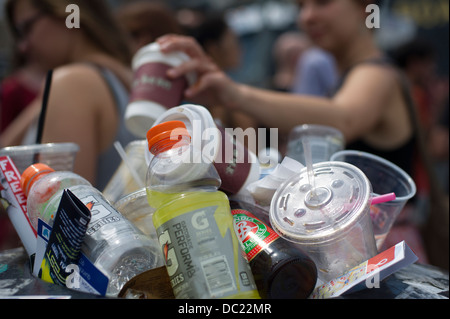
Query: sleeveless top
{"x":402,"y":155}
{"x":109,"y":160}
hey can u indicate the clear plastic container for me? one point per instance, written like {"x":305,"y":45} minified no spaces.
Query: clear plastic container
{"x":323,"y":141}
{"x":112,"y":243}
{"x":329,"y":220}
{"x":193,"y":220}
{"x":59,"y":156}
{"x":385,"y":177}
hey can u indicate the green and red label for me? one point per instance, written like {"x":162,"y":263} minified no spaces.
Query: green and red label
{"x":253,"y":234}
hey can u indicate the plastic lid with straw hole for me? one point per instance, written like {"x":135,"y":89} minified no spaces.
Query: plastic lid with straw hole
{"x":340,"y":197}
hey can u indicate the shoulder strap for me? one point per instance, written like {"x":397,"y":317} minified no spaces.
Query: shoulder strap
{"x":118,"y":90}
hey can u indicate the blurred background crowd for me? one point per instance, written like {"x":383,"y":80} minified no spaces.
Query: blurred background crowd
{"x":258,"y":42}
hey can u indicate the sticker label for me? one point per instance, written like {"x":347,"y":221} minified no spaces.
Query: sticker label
{"x":200,"y":261}
{"x":253,"y":234}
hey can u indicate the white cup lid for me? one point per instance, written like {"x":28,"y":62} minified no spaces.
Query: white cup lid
{"x":342,"y":196}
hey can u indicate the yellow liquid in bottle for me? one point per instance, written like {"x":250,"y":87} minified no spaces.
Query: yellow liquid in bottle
{"x":169,"y":206}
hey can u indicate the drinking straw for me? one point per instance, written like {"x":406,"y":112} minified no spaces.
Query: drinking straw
{"x":127,"y":162}
{"x":383,"y":198}
{"x":41,"y":122}
{"x":309,"y":165}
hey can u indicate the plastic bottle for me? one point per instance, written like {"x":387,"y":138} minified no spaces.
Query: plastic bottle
{"x":280,"y":269}
{"x":193,"y":220}
{"x":112,"y":243}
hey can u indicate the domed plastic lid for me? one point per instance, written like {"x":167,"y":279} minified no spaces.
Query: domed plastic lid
{"x":32,"y":174}
{"x":303,"y":214}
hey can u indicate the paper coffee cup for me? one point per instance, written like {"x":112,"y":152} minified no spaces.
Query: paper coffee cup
{"x":152,"y":91}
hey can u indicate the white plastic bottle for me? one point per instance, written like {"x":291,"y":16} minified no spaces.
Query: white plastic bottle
{"x":112,"y":243}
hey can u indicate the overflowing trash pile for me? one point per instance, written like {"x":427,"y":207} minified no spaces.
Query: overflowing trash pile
{"x":193,"y":213}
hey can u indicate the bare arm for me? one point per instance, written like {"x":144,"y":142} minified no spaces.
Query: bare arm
{"x":355,"y":110}
{"x":75,"y":114}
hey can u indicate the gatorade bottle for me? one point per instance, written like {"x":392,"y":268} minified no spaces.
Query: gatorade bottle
{"x":112,"y":243}
{"x":281,"y":271}
{"x":37,"y":200}
{"x":193,"y":220}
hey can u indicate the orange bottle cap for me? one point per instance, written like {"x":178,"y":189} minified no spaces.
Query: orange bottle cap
{"x":32,"y":174}
{"x":169,"y":133}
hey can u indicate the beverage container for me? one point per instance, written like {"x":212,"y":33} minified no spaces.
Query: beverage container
{"x":328,"y":216}
{"x":136,"y":209}
{"x":112,"y":243}
{"x":323,"y":142}
{"x":263,"y":189}
{"x":152,"y":91}
{"x":130,"y":175}
{"x":193,"y":220}
{"x":281,"y":270}
{"x":59,"y":156}
{"x":385,"y":177}
{"x":237,"y":166}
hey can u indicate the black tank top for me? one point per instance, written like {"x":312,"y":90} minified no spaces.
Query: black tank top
{"x":402,"y":156}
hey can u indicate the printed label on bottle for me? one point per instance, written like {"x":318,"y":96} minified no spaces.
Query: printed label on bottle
{"x":150,"y":83}
{"x":200,"y":259}
{"x":105,"y":221}
{"x":253,"y":234}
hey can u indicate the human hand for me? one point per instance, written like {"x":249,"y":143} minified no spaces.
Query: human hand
{"x":212,"y":87}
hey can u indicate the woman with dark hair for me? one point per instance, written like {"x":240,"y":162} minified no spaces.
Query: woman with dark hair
{"x":91,"y":78}
{"x":368,"y":107}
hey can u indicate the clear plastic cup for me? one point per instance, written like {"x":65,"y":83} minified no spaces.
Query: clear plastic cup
{"x":136,"y":209}
{"x":330,"y":221}
{"x":123,"y":181}
{"x":59,"y":156}
{"x":323,"y":141}
{"x":385,"y":177}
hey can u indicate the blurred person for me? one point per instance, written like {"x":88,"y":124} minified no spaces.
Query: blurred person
{"x":430,"y":93}
{"x":287,"y":50}
{"x":315,"y":73}
{"x":368,"y":107}
{"x":91,"y":79}
{"x":417,"y":58}
{"x":371,"y":105}
{"x":19,"y":88}
{"x":17,"y":91}
{"x":220,"y":42}
{"x":144,"y":21}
